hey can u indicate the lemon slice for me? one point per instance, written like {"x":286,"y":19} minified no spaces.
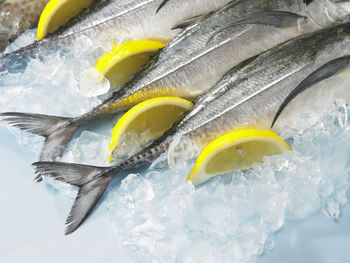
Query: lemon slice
{"x":148,"y":119}
{"x":236,"y":150}
{"x":125,"y":60}
{"x":57,"y":13}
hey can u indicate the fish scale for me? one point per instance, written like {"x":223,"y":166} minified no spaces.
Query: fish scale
{"x":112,"y":20}
{"x":188,"y":72}
{"x":251,"y":94}
{"x":274,"y":73}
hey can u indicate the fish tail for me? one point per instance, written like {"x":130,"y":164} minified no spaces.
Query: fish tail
{"x":92,"y":182}
{"x":57,"y":130}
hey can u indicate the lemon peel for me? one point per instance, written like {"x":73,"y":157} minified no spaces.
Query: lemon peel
{"x":57,"y":13}
{"x":126,"y":59}
{"x":154,"y":116}
{"x":236,"y":150}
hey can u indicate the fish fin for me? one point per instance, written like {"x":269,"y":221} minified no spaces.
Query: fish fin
{"x":34,"y":123}
{"x":56,"y":142}
{"x":74,"y":174}
{"x":57,"y":131}
{"x":92,"y":182}
{"x":228,"y":75}
{"x":307,"y":2}
{"x":327,"y":70}
{"x":163,"y":3}
{"x":272,"y":18}
{"x":192,"y":20}
{"x":87,"y":198}
{"x":238,"y":67}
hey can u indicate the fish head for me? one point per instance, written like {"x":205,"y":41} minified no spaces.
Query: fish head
{"x":328,"y":12}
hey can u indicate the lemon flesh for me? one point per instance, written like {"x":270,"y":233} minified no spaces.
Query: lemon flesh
{"x":236,"y":150}
{"x":154,"y":116}
{"x":126,"y":59}
{"x":57,"y":13}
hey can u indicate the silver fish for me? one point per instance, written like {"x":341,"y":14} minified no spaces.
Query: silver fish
{"x":193,"y":62}
{"x":248,"y":97}
{"x":16,"y":16}
{"x":110,"y":20}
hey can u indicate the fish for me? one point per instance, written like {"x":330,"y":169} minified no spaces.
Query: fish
{"x":17,"y":16}
{"x":251,"y":96}
{"x":188,"y":66}
{"x":109,"y":21}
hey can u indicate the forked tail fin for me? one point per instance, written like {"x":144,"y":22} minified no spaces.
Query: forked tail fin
{"x":91,"y":180}
{"x":57,"y":131}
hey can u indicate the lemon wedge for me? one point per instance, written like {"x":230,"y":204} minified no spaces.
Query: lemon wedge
{"x":148,"y":120}
{"x":236,"y":150}
{"x":57,"y":13}
{"x":126,"y":59}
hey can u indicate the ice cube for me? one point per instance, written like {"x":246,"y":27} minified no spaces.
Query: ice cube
{"x":93,"y":83}
{"x":24,"y":39}
{"x":180,"y":151}
{"x":90,"y":148}
{"x":130,"y":143}
{"x":332,"y":209}
{"x":341,"y":195}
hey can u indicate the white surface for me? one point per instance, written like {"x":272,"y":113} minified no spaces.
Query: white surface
{"x":32,"y":219}
{"x":317,"y":239}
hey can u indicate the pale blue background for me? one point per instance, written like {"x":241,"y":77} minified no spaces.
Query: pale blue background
{"x":32,"y":224}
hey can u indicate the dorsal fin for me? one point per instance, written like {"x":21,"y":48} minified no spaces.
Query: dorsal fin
{"x":229,"y":74}
{"x":236,"y":68}
{"x":327,"y":70}
{"x":164,"y":2}
{"x":272,"y":18}
{"x":192,"y":20}
{"x":161,"y":5}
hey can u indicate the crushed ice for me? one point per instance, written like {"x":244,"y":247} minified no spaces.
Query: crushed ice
{"x":232,"y":218}
{"x":93,"y":83}
{"x":159,"y":216}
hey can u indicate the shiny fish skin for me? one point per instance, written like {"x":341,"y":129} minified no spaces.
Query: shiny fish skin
{"x":16,"y":16}
{"x":114,"y":20}
{"x":135,"y":19}
{"x":250,"y":97}
{"x":190,"y":65}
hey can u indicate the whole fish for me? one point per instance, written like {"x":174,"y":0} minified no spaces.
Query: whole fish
{"x":16,"y":16}
{"x":193,"y":62}
{"x":110,"y":20}
{"x":252,"y":96}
